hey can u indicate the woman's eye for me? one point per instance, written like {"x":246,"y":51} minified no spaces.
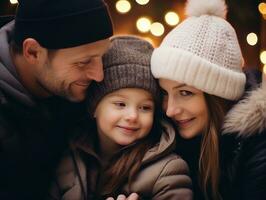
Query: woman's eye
{"x":185,"y":93}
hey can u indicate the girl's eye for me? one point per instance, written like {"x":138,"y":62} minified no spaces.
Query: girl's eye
{"x":119,"y":104}
{"x":146,"y":108}
{"x":185,"y":93}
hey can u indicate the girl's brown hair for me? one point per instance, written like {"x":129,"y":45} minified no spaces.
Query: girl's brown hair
{"x":125,"y":165}
{"x":209,"y":170}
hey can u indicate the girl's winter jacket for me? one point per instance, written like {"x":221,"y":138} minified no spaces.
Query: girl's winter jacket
{"x":163,"y":175}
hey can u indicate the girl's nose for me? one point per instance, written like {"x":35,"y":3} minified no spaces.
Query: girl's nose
{"x":131,"y":115}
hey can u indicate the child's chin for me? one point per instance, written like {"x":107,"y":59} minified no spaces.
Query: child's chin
{"x":124,"y":143}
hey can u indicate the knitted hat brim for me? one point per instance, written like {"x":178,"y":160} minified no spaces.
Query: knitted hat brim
{"x":182,"y":66}
{"x":119,"y":77}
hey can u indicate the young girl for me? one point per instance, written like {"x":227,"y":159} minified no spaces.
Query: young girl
{"x":127,"y":149}
{"x":199,"y":66}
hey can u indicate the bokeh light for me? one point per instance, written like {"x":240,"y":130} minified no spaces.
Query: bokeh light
{"x":13,"y":1}
{"x":142,"y":2}
{"x":123,"y":6}
{"x":143,"y":24}
{"x":263,"y":57}
{"x":252,"y":39}
{"x":157,"y":29}
{"x":171,"y":18}
{"x":262,"y":8}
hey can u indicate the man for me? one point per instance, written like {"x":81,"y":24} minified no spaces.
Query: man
{"x":49,"y":54}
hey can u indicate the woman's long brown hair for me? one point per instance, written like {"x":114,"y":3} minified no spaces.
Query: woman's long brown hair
{"x":209,"y":166}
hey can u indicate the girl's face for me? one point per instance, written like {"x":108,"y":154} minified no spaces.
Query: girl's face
{"x":186,"y":106}
{"x":125,"y":116}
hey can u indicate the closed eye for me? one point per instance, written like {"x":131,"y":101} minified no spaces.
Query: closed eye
{"x":84,"y":63}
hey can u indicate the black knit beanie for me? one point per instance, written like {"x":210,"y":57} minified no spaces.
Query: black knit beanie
{"x":58,"y":24}
{"x":126,"y":65}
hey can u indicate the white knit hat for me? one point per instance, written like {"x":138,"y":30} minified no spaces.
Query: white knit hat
{"x":203,"y":52}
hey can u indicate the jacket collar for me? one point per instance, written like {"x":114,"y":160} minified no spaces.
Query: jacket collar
{"x":163,"y":147}
{"x":9,"y":80}
{"x":248,"y":117}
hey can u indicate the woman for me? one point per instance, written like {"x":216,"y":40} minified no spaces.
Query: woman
{"x":199,"y":67}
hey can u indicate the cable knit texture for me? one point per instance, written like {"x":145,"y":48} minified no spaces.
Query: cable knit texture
{"x":203,"y":51}
{"x":126,"y":65}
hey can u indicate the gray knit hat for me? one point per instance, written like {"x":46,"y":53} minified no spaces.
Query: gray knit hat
{"x":126,"y":65}
{"x":203,"y":52}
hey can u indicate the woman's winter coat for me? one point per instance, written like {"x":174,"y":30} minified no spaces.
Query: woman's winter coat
{"x":244,"y":148}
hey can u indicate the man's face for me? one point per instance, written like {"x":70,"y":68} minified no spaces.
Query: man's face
{"x":69,"y":72}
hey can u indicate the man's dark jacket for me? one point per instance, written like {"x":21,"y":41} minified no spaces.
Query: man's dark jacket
{"x":33,"y":133}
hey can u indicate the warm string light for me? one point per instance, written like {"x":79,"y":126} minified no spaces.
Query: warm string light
{"x":123,"y":6}
{"x":262,"y":8}
{"x":13,"y":1}
{"x":143,"y":24}
{"x":157,"y":29}
{"x":142,"y":2}
{"x":171,"y":18}
{"x":263,"y":57}
{"x":252,"y":39}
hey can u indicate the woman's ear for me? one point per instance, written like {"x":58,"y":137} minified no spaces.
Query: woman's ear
{"x":33,"y":51}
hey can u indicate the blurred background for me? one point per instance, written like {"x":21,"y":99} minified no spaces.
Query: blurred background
{"x":153,"y":19}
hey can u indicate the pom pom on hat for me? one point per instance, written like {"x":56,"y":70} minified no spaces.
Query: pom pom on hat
{"x":206,"y":7}
{"x":203,"y":52}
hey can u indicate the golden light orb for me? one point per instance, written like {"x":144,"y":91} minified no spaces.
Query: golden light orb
{"x":13,"y":1}
{"x":143,"y":24}
{"x":142,"y":2}
{"x":252,"y":39}
{"x":171,"y":18}
{"x":263,"y":57}
{"x":123,"y":6}
{"x":157,"y":29}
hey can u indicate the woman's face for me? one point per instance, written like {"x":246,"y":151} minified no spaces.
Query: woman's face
{"x":186,"y":106}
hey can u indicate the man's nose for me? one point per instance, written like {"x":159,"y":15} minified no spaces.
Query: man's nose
{"x":96,"y":71}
